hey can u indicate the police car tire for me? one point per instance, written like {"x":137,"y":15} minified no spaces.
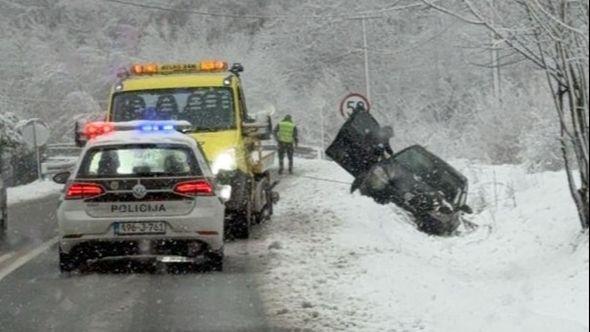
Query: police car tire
{"x":67,"y":263}
{"x":214,"y":262}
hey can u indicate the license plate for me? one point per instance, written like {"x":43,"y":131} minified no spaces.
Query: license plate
{"x":146,"y":227}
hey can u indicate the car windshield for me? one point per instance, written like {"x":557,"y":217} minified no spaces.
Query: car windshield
{"x":431,"y":171}
{"x":138,"y":160}
{"x":207,"y":109}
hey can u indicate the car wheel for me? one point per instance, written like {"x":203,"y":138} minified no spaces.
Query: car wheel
{"x":242,"y":222}
{"x":67,"y":263}
{"x":429,"y":225}
{"x":214,"y":262}
{"x":3,"y":221}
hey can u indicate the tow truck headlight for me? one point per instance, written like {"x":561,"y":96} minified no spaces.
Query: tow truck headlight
{"x":226,"y":161}
{"x":224,"y":192}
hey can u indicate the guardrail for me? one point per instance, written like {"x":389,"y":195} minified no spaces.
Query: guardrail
{"x":301,"y":151}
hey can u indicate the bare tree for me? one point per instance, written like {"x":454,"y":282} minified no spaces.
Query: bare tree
{"x":553,"y":35}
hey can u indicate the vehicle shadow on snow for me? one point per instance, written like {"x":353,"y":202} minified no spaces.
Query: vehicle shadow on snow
{"x":130,"y":266}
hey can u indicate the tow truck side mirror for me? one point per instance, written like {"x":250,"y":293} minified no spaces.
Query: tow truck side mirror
{"x":261,"y":128}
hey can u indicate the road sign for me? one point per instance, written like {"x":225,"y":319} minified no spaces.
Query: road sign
{"x":351,"y":102}
{"x":34,"y":132}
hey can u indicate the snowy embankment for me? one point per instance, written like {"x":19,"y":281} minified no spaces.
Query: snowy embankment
{"x":32,"y":191}
{"x":341,"y":262}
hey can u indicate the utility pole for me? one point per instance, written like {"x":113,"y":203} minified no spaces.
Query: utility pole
{"x":322,"y":131}
{"x":496,"y":82}
{"x":367,"y":78}
{"x":496,"y":69}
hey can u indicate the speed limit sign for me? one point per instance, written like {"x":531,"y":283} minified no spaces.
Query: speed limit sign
{"x":353,"y":101}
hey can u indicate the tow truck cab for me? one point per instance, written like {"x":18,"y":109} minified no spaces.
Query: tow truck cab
{"x":210,"y":96}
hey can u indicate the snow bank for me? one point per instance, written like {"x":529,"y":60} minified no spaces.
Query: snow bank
{"x":32,"y":191}
{"x":340,"y":262}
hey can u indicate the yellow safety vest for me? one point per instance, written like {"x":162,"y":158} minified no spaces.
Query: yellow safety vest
{"x":286,"y":130}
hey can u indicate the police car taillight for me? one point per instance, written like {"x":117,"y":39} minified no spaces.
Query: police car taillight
{"x":82,"y":190}
{"x":194,"y":188}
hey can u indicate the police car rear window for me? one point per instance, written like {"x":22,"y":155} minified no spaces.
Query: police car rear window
{"x":139,"y":160}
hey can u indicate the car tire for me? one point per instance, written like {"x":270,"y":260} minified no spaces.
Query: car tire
{"x":214,"y":262}
{"x":242,"y":220}
{"x":3,"y":224}
{"x":3,"y":221}
{"x":67,"y":263}
{"x":242,"y":223}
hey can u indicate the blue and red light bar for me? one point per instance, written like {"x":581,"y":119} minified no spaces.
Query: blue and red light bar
{"x":95,"y":129}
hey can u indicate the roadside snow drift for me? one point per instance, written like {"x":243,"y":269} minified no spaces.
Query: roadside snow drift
{"x":32,"y":191}
{"x":341,"y":262}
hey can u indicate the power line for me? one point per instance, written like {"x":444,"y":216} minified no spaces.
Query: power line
{"x":366,"y":14}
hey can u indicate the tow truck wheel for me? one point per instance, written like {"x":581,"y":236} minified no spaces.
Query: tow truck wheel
{"x":242,"y":222}
{"x":243,"y":218}
{"x":67,"y":263}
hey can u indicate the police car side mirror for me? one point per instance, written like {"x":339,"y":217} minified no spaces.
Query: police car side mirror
{"x":61,"y":178}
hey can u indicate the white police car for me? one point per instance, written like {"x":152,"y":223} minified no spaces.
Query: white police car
{"x":140,"y":190}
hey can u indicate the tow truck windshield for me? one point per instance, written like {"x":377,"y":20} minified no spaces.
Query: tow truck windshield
{"x":143,"y":160}
{"x":207,"y":109}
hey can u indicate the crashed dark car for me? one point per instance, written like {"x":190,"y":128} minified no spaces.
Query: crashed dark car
{"x":414,"y":178}
{"x":420,"y":182}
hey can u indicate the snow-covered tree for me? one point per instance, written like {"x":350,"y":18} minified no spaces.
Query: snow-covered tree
{"x":553,"y":36}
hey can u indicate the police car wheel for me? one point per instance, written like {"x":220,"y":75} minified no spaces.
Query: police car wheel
{"x":214,"y":262}
{"x":67,"y":263}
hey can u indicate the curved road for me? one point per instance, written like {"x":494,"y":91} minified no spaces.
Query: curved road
{"x":36,"y":297}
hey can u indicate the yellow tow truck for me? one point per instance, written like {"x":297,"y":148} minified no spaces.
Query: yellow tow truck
{"x":209,"y":95}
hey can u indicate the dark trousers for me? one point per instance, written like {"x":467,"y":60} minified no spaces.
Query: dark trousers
{"x":288,"y":149}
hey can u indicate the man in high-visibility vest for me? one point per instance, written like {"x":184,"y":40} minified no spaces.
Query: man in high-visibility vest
{"x":285,"y":133}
